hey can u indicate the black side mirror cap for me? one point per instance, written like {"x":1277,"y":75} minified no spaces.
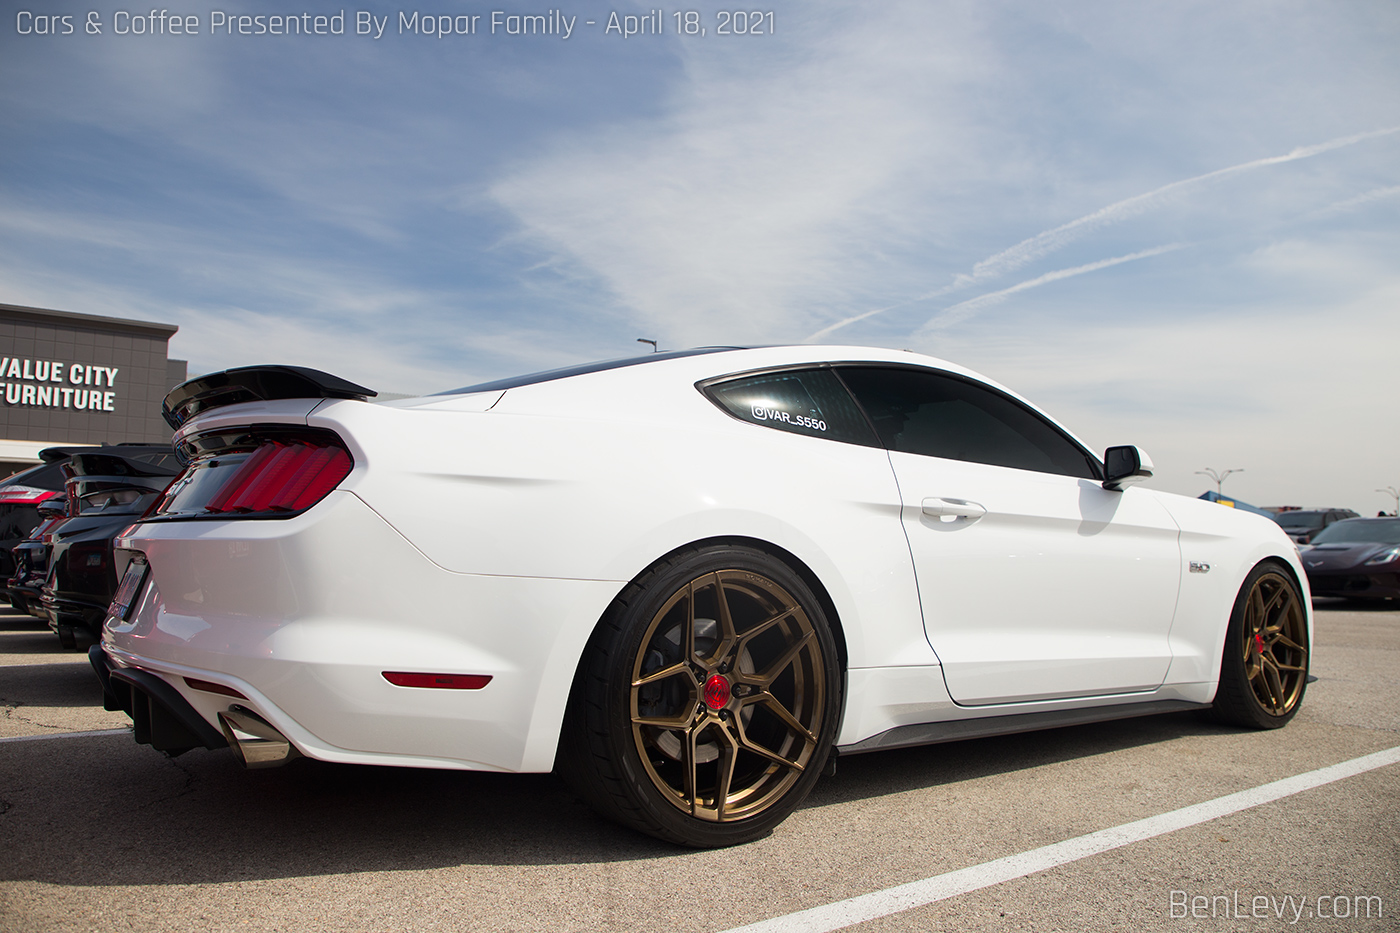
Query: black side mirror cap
{"x":1124,"y":466}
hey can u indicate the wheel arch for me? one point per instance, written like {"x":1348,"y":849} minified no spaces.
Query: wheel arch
{"x":1253,"y":699}
{"x":1300,"y":581}
{"x":618,"y":789}
{"x":777,"y":552}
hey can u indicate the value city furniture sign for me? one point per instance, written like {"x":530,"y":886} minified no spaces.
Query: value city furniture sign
{"x":58,"y":384}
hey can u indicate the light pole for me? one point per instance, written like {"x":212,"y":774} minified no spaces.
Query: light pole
{"x":654,"y":347}
{"x":1218,"y":477}
{"x":1391,"y":490}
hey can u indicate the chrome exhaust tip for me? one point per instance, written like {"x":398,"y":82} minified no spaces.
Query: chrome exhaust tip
{"x":253,"y":739}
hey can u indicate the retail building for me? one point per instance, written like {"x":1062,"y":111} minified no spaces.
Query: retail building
{"x":71,"y":379}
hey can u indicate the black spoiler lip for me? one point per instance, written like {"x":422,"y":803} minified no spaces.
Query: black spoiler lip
{"x":253,"y":384}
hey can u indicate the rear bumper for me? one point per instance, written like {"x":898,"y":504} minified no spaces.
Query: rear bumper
{"x":302,"y":617}
{"x":61,"y":611}
{"x":160,"y":716}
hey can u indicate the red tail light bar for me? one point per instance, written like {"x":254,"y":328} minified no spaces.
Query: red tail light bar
{"x":273,"y":475}
{"x":281,"y":477}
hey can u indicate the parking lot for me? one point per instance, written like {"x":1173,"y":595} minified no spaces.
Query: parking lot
{"x":98,"y":833}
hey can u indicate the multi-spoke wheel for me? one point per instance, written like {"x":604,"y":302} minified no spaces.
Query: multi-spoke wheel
{"x":1264,"y":669}
{"x":706,"y":706}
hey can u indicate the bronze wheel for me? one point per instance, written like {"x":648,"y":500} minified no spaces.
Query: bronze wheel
{"x":1264,"y":670}
{"x":727,"y":695}
{"x":716,"y":702}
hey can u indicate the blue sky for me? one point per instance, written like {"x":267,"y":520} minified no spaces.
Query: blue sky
{"x":1171,"y":224}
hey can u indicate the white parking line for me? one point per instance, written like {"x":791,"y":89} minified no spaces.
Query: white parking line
{"x":940,"y":887}
{"x":64,"y":735}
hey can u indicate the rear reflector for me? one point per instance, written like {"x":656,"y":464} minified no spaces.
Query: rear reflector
{"x":211,"y":687}
{"x":439,"y":681}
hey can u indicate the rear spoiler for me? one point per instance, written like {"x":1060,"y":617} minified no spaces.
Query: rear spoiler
{"x":109,"y":466}
{"x":253,"y":384}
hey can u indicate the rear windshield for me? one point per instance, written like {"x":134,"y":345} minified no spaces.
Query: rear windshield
{"x":47,"y":476}
{"x":1359,"y":530}
{"x":515,"y":382}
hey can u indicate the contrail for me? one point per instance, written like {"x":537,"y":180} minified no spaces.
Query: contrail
{"x":1042,"y":244}
{"x":966,"y":309}
{"x":1375,"y":194}
{"x":1051,"y":240}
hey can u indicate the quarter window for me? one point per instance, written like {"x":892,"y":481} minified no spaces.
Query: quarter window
{"x":811,"y":402}
{"x":940,"y":415}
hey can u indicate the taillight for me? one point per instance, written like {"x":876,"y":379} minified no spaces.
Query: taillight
{"x":281,"y":476}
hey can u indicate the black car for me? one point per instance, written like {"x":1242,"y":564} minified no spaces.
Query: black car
{"x":31,"y":557}
{"x":1358,"y":558}
{"x":21,"y":493}
{"x":106,"y":493}
{"x":1302,"y":525}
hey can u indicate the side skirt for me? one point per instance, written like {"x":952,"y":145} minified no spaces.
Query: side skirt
{"x":932,"y":733}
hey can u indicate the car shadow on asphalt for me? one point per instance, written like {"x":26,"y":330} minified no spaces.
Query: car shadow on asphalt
{"x":1338,"y":604}
{"x":895,"y":771}
{"x":71,"y":686}
{"x":103,"y":811}
{"x":12,"y":621}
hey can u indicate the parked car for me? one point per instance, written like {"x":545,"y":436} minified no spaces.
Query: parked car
{"x":1358,"y":558}
{"x":31,"y":557}
{"x":684,"y":580}
{"x":106,"y":492}
{"x":1302,"y":525}
{"x":20,"y":496}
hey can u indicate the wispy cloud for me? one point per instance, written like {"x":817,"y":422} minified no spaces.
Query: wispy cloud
{"x":772,"y":181}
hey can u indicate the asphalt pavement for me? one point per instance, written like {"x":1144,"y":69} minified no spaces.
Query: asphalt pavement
{"x":98,"y":833}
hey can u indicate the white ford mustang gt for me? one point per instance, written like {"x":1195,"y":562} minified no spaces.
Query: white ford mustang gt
{"x":687,"y":581}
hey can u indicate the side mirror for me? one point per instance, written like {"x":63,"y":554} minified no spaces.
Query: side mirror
{"x":1124,"y":466}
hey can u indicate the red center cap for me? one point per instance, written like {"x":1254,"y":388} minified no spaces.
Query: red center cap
{"x":1259,"y":643}
{"x":716,"y":692}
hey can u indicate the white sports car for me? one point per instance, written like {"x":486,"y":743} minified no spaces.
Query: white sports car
{"x":687,"y":581}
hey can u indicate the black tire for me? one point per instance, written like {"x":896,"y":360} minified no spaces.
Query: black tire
{"x":706,"y":702}
{"x":1264,"y":664}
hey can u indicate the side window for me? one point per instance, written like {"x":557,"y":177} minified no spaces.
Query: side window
{"x":939,"y":415}
{"x":811,"y":402}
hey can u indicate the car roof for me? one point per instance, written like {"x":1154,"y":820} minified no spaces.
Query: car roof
{"x":564,"y":372}
{"x":652,"y":381}
{"x":715,"y":362}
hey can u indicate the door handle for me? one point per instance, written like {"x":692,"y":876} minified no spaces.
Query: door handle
{"x":950,"y":510}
